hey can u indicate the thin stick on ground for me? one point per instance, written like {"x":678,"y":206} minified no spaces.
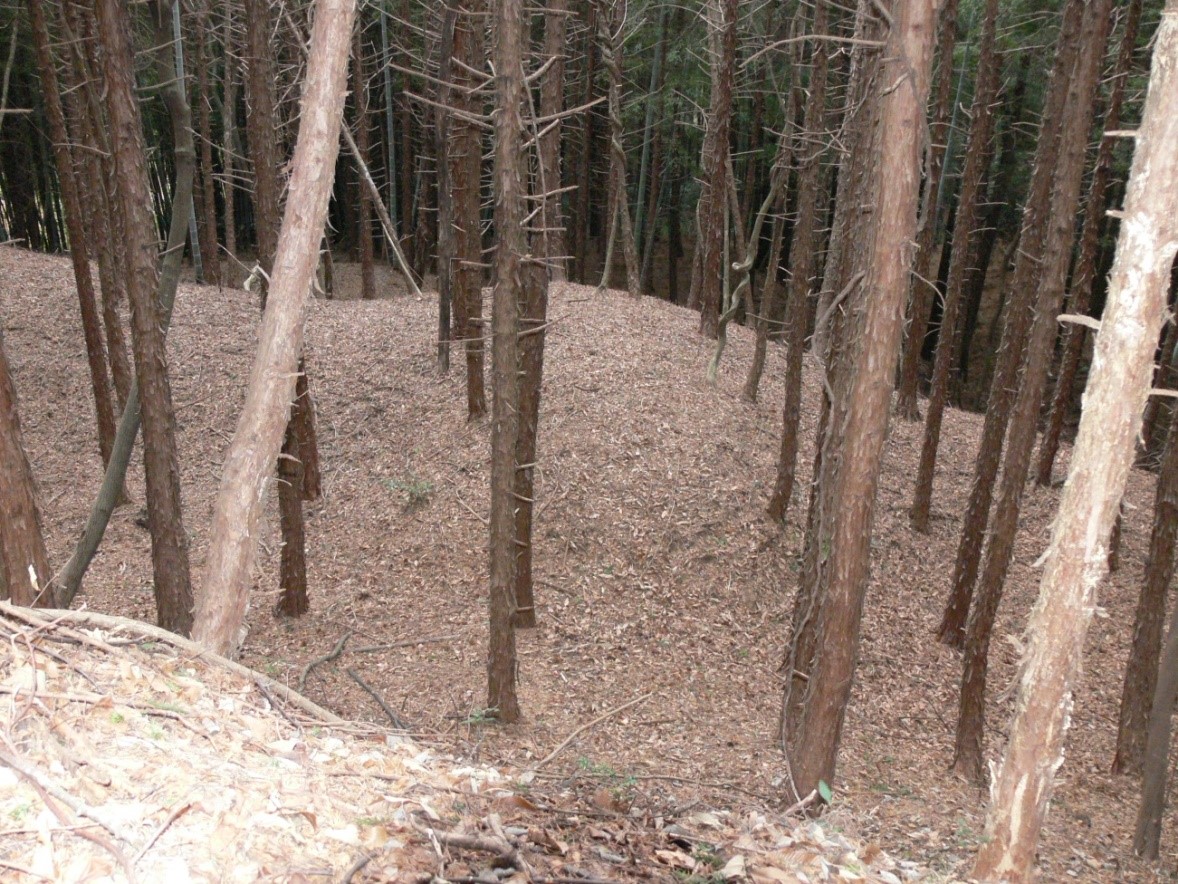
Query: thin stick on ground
{"x":393,"y":717}
{"x":598,"y":720}
{"x":326,"y":658}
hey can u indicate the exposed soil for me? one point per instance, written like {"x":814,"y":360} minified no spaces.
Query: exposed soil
{"x":657,"y":572}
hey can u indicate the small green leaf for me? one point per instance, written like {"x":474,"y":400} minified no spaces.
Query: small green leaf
{"x":824,"y":791}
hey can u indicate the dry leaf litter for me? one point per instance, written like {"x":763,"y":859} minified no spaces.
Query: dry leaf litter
{"x":659,"y":580}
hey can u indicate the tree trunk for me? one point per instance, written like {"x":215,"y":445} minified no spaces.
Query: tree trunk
{"x":1116,"y":394}
{"x":510,"y":255}
{"x":251,"y":455}
{"x":722,"y":24}
{"x":610,"y":24}
{"x":24,"y":564}
{"x":1056,"y":254}
{"x":169,"y":543}
{"x":802,"y":266}
{"x":230,"y":148}
{"x":964,"y":229}
{"x":1141,"y":671}
{"x":464,"y":156}
{"x":1014,"y":334}
{"x":210,"y":256}
{"x":555,"y":249}
{"x":583,"y":200}
{"x":79,"y":252}
{"x":364,"y":202}
{"x":889,"y":169}
{"x":923,"y":287}
{"x":1084,"y":274}
{"x":447,"y":242}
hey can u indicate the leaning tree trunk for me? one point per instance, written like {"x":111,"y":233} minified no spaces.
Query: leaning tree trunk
{"x":891,"y":165}
{"x":710,"y":247}
{"x":1014,"y":334}
{"x":79,"y":253}
{"x":964,"y":229}
{"x":251,"y":455}
{"x":24,"y":564}
{"x":1117,"y":389}
{"x":1085,"y":271}
{"x":1141,"y":671}
{"x":802,"y":266}
{"x":169,"y":543}
{"x":924,"y":278}
{"x":1057,"y":252}
{"x":510,"y":256}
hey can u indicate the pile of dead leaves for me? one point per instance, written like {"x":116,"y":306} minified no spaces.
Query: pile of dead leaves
{"x":129,"y":754}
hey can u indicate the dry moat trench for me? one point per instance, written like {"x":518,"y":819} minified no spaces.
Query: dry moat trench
{"x":656,"y":570}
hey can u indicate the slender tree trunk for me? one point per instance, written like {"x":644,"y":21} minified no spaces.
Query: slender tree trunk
{"x":229,"y":145}
{"x":551,"y":106}
{"x":24,"y":564}
{"x":924,"y":290}
{"x":1141,"y":671}
{"x":465,"y":175}
{"x":890,"y":169}
{"x":251,"y":455}
{"x":210,"y":256}
{"x":1084,"y":274}
{"x":1154,"y":422}
{"x":1103,"y":456}
{"x":447,"y":235}
{"x":610,"y":24}
{"x":79,"y":252}
{"x":1014,"y":334}
{"x":364,"y":203}
{"x":802,"y":265}
{"x":964,"y":230}
{"x":585,"y":164}
{"x":654,"y":98}
{"x":1056,"y":254}
{"x":169,"y":543}
{"x":510,"y":255}
{"x":722,"y":23}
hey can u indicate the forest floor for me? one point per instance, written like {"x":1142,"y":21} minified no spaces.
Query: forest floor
{"x":659,"y":580}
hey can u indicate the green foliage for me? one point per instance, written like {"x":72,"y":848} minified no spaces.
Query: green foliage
{"x":414,"y":490}
{"x":825,"y":792}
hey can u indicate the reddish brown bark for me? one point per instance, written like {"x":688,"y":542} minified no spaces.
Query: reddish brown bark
{"x":1014,"y":334}
{"x":1141,"y":670}
{"x":465,"y":173}
{"x":256,"y":443}
{"x":890,"y":168}
{"x":802,"y":265}
{"x":1057,"y":251}
{"x":207,"y":204}
{"x":363,"y":143}
{"x":79,"y":251}
{"x":1084,"y":274}
{"x":510,"y":254}
{"x":715,"y":166}
{"x":169,"y":543}
{"x":23,"y":561}
{"x":923,"y":289}
{"x":968,"y":218}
